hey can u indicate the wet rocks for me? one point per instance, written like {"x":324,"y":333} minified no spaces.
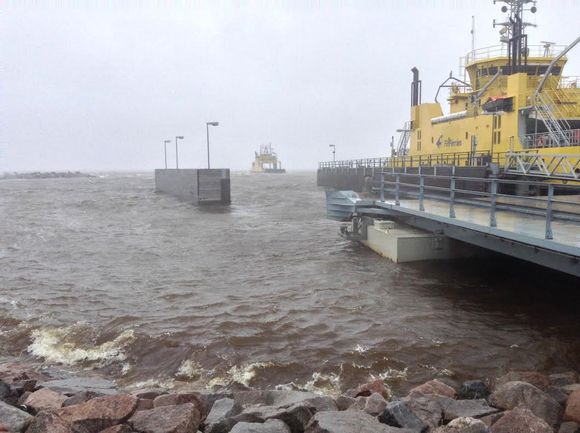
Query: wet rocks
{"x":376,"y":386}
{"x":349,"y":421}
{"x":373,"y":405}
{"x":520,"y":420}
{"x":433,"y":387}
{"x":220,"y":417}
{"x":270,"y":426}
{"x":99,"y":413}
{"x":44,"y":399}
{"x":48,"y":422}
{"x":13,"y":419}
{"x":463,"y":425}
{"x":511,"y":395}
{"x":398,"y":414}
{"x":467,"y":409}
{"x":182,"y":418}
{"x":74,"y":385}
{"x":473,"y":389}
{"x":572,"y":411}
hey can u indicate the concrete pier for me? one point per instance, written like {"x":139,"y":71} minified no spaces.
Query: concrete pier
{"x":198,"y":186}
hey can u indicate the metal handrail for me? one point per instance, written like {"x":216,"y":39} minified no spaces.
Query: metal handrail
{"x":493,"y":194}
{"x":501,"y":51}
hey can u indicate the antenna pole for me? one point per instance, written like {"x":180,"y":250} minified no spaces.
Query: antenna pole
{"x":472,"y":34}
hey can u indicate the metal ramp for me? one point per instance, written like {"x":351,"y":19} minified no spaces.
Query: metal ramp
{"x":552,"y":166}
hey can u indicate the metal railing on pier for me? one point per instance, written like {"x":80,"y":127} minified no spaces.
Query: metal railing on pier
{"x":398,"y":184}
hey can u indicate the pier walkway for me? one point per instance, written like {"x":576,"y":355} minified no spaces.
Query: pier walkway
{"x":543,"y":229}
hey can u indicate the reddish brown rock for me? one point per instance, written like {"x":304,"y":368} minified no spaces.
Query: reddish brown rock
{"x":48,"y":422}
{"x":183,"y":418}
{"x":44,"y":399}
{"x":433,"y":387}
{"x":572,"y":412}
{"x":99,"y":413}
{"x":181,"y":398}
{"x":367,"y":389}
{"x":520,"y":420}
{"x":539,"y":380}
{"x":81,"y":397}
{"x":521,"y":394}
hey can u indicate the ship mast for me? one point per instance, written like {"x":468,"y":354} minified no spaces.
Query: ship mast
{"x":513,"y":32}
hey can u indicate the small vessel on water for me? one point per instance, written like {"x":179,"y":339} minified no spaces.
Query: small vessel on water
{"x":266,"y":161}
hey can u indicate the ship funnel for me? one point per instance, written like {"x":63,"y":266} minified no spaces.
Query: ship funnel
{"x":415,"y":88}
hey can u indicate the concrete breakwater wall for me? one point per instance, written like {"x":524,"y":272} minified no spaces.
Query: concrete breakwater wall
{"x":32,"y":401}
{"x":361,"y":179}
{"x":198,"y":186}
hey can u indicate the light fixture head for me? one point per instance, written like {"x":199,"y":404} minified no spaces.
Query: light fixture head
{"x":213,"y":123}
{"x":179,"y":136}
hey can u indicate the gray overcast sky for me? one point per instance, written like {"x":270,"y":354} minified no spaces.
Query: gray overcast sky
{"x":98,"y":85}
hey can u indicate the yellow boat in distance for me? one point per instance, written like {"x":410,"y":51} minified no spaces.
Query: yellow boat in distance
{"x":511,"y":108}
{"x":266,"y":161}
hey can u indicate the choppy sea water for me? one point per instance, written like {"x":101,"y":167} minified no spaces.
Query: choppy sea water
{"x":104,"y":274}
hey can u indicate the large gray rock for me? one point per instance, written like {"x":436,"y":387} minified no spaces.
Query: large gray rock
{"x":373,"y":404}
{"x":270,"y":426}
{"x":398,"y":414}
{"x":463,"y":425}
{"x":78,"y":384}
{"x":220,"y":419}
{"x":295,"y":416}
{"x":430,"y":408}
{"x":275,"y":398}
{"x":183,"y":418}
{"x":521,"y":394}
{"x":467,"y":409}
{"x":349,"y":421}
{"x":520,"y":420}
{"x":48,"y":422}
{"x":15,"y":420}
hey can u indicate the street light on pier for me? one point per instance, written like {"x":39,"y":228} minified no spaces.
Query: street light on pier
{"x":165,"y":143}
{"x":207,"y":125}
{"x":180,"y":137}
{"x":333,"y":152}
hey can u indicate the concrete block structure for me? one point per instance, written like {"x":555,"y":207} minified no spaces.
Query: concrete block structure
{"x":198,"y":186}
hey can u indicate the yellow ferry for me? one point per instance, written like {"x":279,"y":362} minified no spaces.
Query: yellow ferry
{"x":512,"y":106}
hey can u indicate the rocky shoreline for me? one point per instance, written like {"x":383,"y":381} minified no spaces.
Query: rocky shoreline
{"x":34,"y":400}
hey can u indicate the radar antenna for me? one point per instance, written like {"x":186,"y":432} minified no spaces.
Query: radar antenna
{"x":513,"y":32}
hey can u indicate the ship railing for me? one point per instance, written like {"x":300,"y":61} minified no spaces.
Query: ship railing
{"x":542,"y":140}
{"x":561,"y":166}
{"x":488,"y":192}
{"x":473,"y":159}
{"x":502,"y":51}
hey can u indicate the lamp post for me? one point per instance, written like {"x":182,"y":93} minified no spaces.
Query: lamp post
{"x":165,"y":143}
{"x":180,"y":137}
{"x":207,"y":125}
{"x":333,"y":152}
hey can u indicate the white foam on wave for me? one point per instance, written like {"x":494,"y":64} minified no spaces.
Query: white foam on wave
{"x":55,"y":345}
{"x":324,"y":384}
{"x":189,"y":370}
{"x":245,"y":373}
{"x":394,"y":374}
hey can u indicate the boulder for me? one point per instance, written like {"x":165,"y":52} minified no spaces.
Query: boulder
{"x":563,"y":379}
{"x":569,"y":427}
{"x":144,"y":404}
{"x":398,"y":414}
{"x":44,"y":399}
{"x":270,"y":426}
{"x":272,"y":398}
{"x":80,"y":397}
{"x":99,"y":413}
{"x":373,"y":405}
{"x":464,"y":425}
{"x":209,"y":398}
{"x":183,"y":418}
{"x":557,"y":394}
{"x":48,"y":422}
{"x":569,"y":389}
{"x":13,"y":419}
{"x":77,"y":384}
{"x":489,"y":420}
{"x":433,"y":387}
{"x":520,"y":420}
{"x":219,"y":419}
{"x":539,"y":380}
{"x":467,"y":409}
{"x":349,"y":421}
{"x":429,"y":408}
{"x":5,"y":390}
{"x":181,"y":398}
{"x":473,"y":389}
{"x":376,"y":386}
{"x":572,"y":412}
{"x":343,"y":402}
{"x":295,"y":416}
{"x":521,"y":394}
